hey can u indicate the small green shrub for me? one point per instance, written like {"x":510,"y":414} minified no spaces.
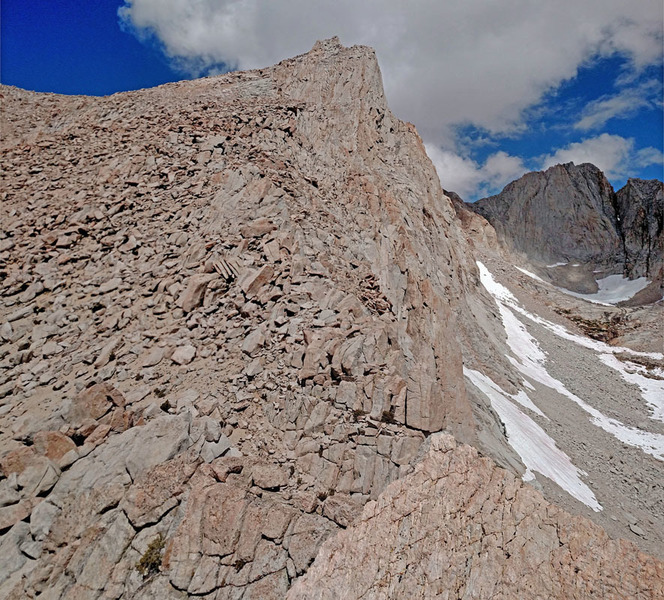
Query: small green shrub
{"x":150,"y":563}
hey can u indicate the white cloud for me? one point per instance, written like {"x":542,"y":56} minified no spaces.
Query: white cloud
{"x":648,"y":156}
{"x":625,"y":103}
{"x":613,"y":154}
{"x":501,"y":168}
{"x":456,"y":174}
{"x":444,"y":63}
{"x":470,"y":179}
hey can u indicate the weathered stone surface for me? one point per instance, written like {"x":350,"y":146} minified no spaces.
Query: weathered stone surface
{"x":257,"y":228}
{"x":184,"y":355}
{"x":253,"y":280}
{"x":306,"y":536}
{"x":93,"y":403}
{"x":155,"y":493}
{"x":52,"y":444}
{"x":106,"y":554}
{"x":269,"y":476}
{"x":460,"y":527}
{"x":194,"y":292}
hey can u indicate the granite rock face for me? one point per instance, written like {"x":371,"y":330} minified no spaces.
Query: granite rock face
{"x":460,"y":527}
{"x":640,"y":205}
{"x":228,"y":318}
{"x":231,"y":312}
{"x":570,"y":213}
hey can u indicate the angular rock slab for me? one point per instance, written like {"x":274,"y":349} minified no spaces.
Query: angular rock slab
{"x":461,"y":527}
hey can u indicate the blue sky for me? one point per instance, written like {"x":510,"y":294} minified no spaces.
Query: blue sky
{"x":54,"y":46}
{"x":495,"y":88}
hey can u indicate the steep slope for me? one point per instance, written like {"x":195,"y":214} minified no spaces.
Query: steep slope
{"x":578,"y":233}
{"x":229,"y":318}
{"x":586,"y":410}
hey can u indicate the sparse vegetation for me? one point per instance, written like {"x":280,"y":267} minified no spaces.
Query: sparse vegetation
{"x":239,"y":564}
{"x":357,"y":414}
{"x":604,"y":329}
{"x":650,"y":365}
{"x":150,"y":562}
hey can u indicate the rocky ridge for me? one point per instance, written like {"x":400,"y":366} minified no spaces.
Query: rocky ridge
{"x":231,"y":313}
{"x":460,"y":527}
{"x":569,"y":214}
{"x":228,"y":320}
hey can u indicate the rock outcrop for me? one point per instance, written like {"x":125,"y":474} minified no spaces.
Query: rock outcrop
{"x":640,"y":205}
{"x":231,"y":312}
{"x":229,"y":319}
{"x":460,"y":527}
{"x":570,"y":214}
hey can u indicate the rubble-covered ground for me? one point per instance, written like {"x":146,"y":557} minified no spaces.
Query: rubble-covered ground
{"x":231,"y":312}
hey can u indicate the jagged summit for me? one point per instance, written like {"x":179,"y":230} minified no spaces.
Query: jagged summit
{"x":232,"y":312}
{"x":564,"y":213}
{"x":570,"y":214}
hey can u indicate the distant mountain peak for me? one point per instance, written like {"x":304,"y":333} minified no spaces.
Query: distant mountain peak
{"x":570,"y":212}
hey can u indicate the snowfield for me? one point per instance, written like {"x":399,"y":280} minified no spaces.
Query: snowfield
{"x":537,"y":450}
{"x":613,"y":289}
{"x":530,"y":360}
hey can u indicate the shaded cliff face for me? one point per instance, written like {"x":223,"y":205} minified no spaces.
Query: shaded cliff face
{"x":640,"y":205}
{"x":570,"y":213}
{"x":229,"y":318}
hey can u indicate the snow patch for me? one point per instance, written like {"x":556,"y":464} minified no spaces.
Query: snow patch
{"x":613,"y":289}
{"x":531,"y":275}
{"x":652,"y":390}
{"x":560,"y":264}
{"x":502,"y":294}
{"x":530,"y":361}
{"x":537,"y":450}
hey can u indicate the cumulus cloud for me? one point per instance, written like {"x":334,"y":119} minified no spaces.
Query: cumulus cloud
{"x":625,"y":103}
{"x":613,"y":154}
{"x":471,"y":180}
{"x":444,"y":63}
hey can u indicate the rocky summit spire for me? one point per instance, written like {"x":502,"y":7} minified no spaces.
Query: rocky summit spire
{"x":570,"y":213}
{"x":233,"y":312}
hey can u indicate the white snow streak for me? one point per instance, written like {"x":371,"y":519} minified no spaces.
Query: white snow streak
{"x":537,"y":450}
{"x":531,"y":275}
{"x":652,"y":390}
{"x":531,"y":360}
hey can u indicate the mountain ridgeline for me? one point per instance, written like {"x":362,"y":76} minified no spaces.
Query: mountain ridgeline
{"x":238,"y":317}
{"x":570,"y":213}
